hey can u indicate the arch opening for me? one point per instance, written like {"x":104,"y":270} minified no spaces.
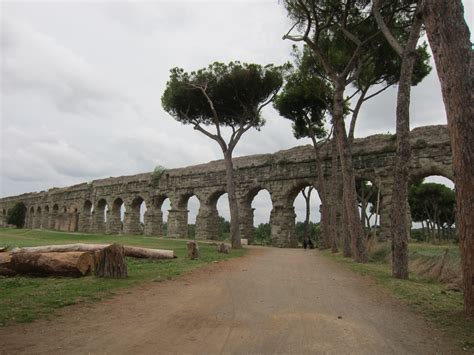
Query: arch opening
{"x":432,"y":202}
{"x":261,"y":207}
{"x":307,"y":209}
{"x":370,"y":201}
{"x":193,"y":206}
{"x":87,"y":209}
{"x":220,"y":201}
{"x":165,"y":208}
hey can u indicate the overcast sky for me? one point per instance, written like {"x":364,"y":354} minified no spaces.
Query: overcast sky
{"x":81,"y":84}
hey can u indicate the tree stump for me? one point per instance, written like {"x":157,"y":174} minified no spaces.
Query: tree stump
{"x":193,"y":250}
{"x":223,"y":248}
{"x":110,"y":262}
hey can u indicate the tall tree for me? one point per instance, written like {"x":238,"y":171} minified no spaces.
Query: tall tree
{"x":342,"y":37}
{"x":306,"y":192}
{"x":305,"y":100}
{"x":406,"y":49}
{"x":337,"y":33}
{"x":223,"y":95}
{"x":449,"y":38}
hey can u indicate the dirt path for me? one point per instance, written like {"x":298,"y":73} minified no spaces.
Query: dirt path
{"x":283,"y":301}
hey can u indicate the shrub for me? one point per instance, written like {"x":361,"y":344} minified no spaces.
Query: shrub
{"x":157,"y":174}
{"x":16,"y":215}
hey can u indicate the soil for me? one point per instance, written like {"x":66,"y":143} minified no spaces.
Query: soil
{"x":287,"y":301}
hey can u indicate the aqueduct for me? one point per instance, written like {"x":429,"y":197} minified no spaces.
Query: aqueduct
{"x":83,"y":207}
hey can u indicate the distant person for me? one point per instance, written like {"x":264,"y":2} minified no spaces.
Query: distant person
{"x":305,"y":243}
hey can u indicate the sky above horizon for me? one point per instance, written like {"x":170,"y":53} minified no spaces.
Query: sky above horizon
{"x":81,"y":84}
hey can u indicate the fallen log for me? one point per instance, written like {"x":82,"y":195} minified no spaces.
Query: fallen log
{"x":134,"y":252}
{"x":47,"y":264}
{"x":5,"y":265}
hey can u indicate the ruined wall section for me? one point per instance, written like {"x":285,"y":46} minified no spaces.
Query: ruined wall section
{"x":282,"y":174}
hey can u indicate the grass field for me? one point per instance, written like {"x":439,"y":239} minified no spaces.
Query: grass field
{"x":427,"y":297}
{"x":23,"y":299}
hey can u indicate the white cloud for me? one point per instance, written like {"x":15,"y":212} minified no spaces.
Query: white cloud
{"x":34,"y":62}
{"x":81,"y":85}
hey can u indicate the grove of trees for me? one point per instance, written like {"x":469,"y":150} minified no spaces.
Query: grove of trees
{"x":433,"y":205}
{"x":351,"y":52}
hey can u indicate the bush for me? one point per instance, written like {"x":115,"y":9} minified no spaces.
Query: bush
{"x":16,"y":215}
{"x":262,"y":234}
{"x":157,"y":174}
{"x":418,"y":235}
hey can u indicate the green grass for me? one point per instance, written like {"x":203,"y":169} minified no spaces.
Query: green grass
{"x":24,"y":299}
{"x":428,"y":298}
{"x":431,"y":250}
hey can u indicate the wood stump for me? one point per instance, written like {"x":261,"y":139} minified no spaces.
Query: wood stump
{"x":223,"y":248}
{"x":110,"y":262}
{"x":193,"y":250}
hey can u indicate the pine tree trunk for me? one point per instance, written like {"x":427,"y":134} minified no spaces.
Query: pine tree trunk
{"x":334,"y":198}
{"x":233,"y":204}
{"x":400,"y":231}
{"x":449,"y":38}
{"x":358,"y":240}
{"x":307,"y":199}
{"x":400,"y":186}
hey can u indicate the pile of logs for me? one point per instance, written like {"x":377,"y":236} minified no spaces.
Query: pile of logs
{"x":74,"y":259}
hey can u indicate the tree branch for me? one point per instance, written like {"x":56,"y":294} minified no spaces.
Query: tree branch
{"x":215,"y":137}
{"x":355,"y":113}
{"x":211,"y":105}
{"x":377,"y":92}
{"x":384,"y":28}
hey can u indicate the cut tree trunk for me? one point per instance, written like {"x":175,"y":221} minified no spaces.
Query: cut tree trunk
{"x":73,"y":264}
{"x":449,"y":38}
{"x":146,"y":253}
{"x":134,"y":252}
{"x":5,"y":264}
{"x":110,"y":262}
{"x":193,"y":250}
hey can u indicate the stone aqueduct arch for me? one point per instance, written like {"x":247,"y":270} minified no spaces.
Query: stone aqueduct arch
{"x":82,"y":207}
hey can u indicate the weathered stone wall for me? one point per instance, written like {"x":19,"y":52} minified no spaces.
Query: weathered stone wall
{"x":95,"y":206}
